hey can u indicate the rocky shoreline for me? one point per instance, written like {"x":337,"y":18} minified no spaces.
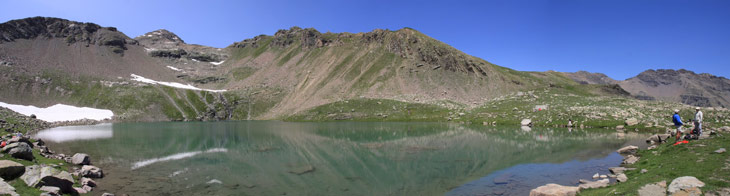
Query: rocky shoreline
{"x":684,"y":185}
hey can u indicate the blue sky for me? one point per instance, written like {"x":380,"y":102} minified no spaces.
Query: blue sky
{"x":620,"y":38}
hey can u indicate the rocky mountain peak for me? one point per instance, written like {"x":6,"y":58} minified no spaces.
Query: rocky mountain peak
{"x":159,"y":36}
{"x":585,"y":77}
{"x":71,"y":31}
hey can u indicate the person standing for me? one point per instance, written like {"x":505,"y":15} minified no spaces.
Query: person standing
{"x":677,"y":123}
{"x":698,"y":121}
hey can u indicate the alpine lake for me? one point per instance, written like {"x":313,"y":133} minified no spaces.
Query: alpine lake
{"x":337,"y":158}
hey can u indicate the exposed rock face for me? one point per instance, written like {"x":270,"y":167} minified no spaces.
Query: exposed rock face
{"x":555,"y":190}
{"x":683,"y":86}
{"x":73,"y":32}
{"x":10,"y":170}
{"x":686,"y":185}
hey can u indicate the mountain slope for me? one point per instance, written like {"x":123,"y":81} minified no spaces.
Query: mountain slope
{"x":51,"y":60}
{"x":680,"y":86}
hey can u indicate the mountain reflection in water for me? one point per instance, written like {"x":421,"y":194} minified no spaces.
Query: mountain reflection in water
{"x":338,"y":158}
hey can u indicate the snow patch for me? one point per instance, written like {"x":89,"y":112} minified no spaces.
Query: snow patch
{"x":174,"y":68}
{"x":61,"y":112}
{"x":177,"y":156}
{"x":171,"y":84}
{"x":196,"y":60}
{"x":217,"y":63}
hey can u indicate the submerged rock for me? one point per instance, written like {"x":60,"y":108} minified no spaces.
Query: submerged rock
{"x":555,"y":190}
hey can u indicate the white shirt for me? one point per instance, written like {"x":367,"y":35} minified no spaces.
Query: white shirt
{"x":698,"y":116}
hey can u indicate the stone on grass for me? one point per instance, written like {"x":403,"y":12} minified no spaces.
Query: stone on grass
{"x":526,"y":122}
{"x":555,"y":190}
{"x":656,"y":189}
{"x":51,"y":189}
{"x":644,"y":171}
{"x":622,"y":178}
{"x":10,"y":170}
{"x":20,"y":150}
{"x":721,"y":150}
{"x":6,"y":189}
{"x":36,"y":176}
{"x":686,"y":185}
{"x":631,"y":122}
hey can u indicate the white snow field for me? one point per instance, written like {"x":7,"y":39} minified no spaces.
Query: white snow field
{"x":60,"y":112}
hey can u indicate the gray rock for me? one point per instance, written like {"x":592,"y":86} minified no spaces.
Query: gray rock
{"x":91,"y":171}
{"x":6,"y":189}
{"x":725,"y":129}
{"x":88,"y":182}
{"x":644,"y":171}
{"x":80,"y":190}
{"x":10,"y":170}
{"x":107,"y":194}
{"x":555,"y":190}
{"x":658,"y":138}
{"x":596,"y":176}
{"x":32,"y":175}
{"x":687,"y":185}
{"x":526,"y":122}
{"x":628,"y":150}
{"x":51,"y":189}
{"x":621,"y":178}
{"x":631,"y":159}
{"x":19,"y":150}
{"x":721,"y":150}
{"x":20,"y":139}
{"x":631,"y":122}
{"x":651,"y":147}
{"x":656,"y":189}
{"x":619,"y":127}
{"x":617,"y":170}
{"x":80,"y":159}
{"x":594,"y":184}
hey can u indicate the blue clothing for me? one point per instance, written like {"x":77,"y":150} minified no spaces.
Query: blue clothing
{"x":677,"y":121}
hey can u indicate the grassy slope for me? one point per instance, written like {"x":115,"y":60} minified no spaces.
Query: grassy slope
{"x":668,"y":162}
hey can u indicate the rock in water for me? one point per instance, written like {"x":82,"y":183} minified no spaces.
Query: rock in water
{"x":555,"y":190}
{"x":10,"y":170}
{"x":631,"y":159}
{"x":686,"y":185}
{"x":91,"y":171}
{"x":526,"y":122}
{"x":622,"y":178}
{"x":80,"y":159}
{"x":6,"y":189}
{"x":628,"y":150}
{"x":631,"y":122}
{"x":594,"y":184}
{"x":595,"y":176}
{"x":656,"y":189}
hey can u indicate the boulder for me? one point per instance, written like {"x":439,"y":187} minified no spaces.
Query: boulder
{"x":80,"y":159}
{"x":596,"y":176}
{"x":725,"y":129}
{"x":658,"y":138}
{"x":631,"y":122}
{"x":656,"y":189}
{"x":6,"y":189}
{"x":36,"y":176}
{"x":51,"y":189}
{"x":88,"y":182}
{"x":10,"y":170}
{"x":20,"y":139}
{"x":686,"y":185}
{"x":20,"y":150}
{"x":526,"y":122}
{"x":628,"y":150}
{"x":91,"y":171}
{"x":622,"y":178}
{"x":80,"y":190}
{"x":594,"y":184}
{"x":631,"y":159}
{"x":620,"y":127}
{"x":555,"y":190}
{"x":617,"y":170}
